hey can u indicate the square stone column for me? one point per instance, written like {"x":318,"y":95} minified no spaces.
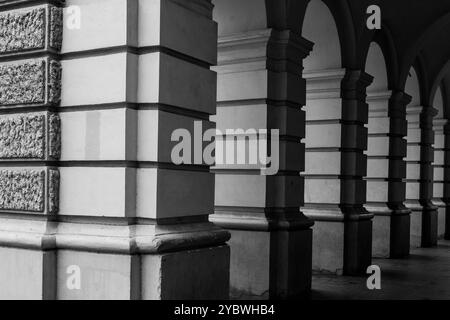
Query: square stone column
{"x":439,"y":165}
{"x":335,"y":191}
{"x":386,"y":173}
{"x":110,"y":204}
{"x":446,"y":197}
{"x":419,"y":188}
{"x":260,"y":87}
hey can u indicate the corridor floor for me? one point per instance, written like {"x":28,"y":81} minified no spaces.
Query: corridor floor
{"x":425,"y":275}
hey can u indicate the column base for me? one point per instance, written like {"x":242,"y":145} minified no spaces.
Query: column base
{"x":424,"y":225}
{"x":441,"y":217}
{"x":112,"y":262}
{"x":269,"y":259}
{"x":391,"y":232}
{"x":342,"y":242}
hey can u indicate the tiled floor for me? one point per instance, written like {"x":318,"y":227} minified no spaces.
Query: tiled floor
{"x":424,"y":275}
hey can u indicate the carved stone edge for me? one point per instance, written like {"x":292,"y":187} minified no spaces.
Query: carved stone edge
{"x":55,"y":27}
{"x":54,"y":73}
{"x":97,"y":238}
{"x":54,"y":136}
{"x":53,"y":180}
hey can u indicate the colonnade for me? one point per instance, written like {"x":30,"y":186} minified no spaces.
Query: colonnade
{"x":89,"y":185}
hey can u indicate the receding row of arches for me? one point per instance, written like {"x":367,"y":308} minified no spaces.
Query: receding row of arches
{"x":370,"y":142}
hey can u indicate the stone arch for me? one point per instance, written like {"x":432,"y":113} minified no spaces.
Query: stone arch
{"x":412,"y":87}
{"x":376,"y":66}
{"x":410,"y":57}
{"x":320,"y":26}
{"x":438,"y":83}
{"x":438,"y":102}
{"x":383,"y":38}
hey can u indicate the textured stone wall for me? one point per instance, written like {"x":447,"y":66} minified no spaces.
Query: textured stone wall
{"x":34,"y":28}
{"x":22,"y":190}
{"x":30,"y":136}
{"x":26,"y":82}
{"x":30,"y":82}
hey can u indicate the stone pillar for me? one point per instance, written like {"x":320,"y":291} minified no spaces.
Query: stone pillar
{"x":335,"y":191}
{"x":419,"y":188}
{"x":446,"y":197}
{"x":127,"y":222}
{"x":439,"y":173}
{"x":386,"y":173}
{"x":260,"y":87}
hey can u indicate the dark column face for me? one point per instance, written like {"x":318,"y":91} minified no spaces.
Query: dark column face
{"x":429,"y":211}
{"x":446,"y":178}
{"x":358,"y":222}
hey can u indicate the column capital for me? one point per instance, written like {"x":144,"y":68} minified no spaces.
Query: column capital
{"x":397,"y":104}
{"x":355,"y":83}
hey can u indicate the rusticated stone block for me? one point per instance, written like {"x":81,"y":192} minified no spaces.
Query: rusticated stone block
{"x":36,"y":28}
{"x":29,"y":191}
{"x":30,"y":82}
{"x":30,"y":136}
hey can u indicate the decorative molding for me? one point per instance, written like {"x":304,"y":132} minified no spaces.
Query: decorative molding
{"x":324,"y":84}
{"x":30,"y":82}
{"x":30,"y":190}
{"x":107,"y":238}
{"x":26,"y":136}
{"x":31,"y":29}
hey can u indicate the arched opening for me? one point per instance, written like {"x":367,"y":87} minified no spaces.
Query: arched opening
{"x":378,"y":151}
{"x":324,"y":73}
{"x":320,"y":27}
